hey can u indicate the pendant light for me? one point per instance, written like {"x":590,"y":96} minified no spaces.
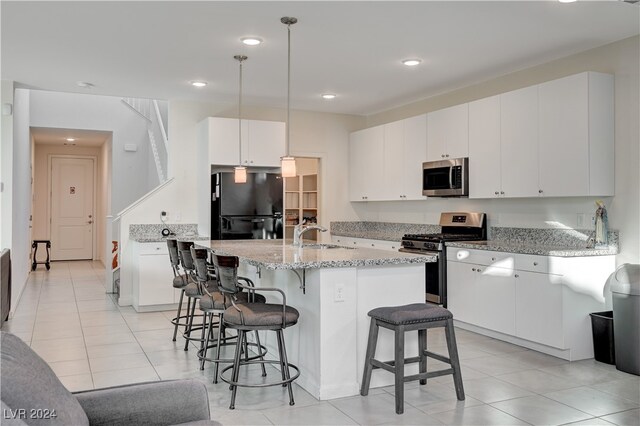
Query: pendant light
{"x":240,"y":172}
{"x":288,"y":163}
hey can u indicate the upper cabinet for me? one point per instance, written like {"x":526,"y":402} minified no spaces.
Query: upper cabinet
{"x":448,"y":133}
{"x":366,"y":153}
{"x":556,"y":139}
{"x":263,"y":142}
{"x":576,"y":133}
{"x":386,"y":161}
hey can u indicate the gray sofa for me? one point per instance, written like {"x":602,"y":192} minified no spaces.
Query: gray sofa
{"x":30,"y":392}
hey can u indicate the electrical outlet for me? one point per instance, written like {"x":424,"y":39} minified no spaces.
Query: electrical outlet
{"x":580,"y":220}
{"x":338,"y":293}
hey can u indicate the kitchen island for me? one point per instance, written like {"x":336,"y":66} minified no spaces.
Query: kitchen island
{"x":333,"y":288}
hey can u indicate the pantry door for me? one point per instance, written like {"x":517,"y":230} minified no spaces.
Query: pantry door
{"x":72,"y":201}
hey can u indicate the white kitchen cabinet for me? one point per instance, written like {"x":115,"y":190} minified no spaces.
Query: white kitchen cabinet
{"x":485,"y":161}
{"x":482,"y":294}
{"x":448,"y":133}
{"x":414,"y":153}
{"x":519,"y":142}
{"x":540,"y":302}
{"x":365,"y":243}
{"x":533,"y":292}
{"x":576,"y":135}
{"x":386,"y":161}
{"x":152,"y":277}
{"x":366,"y":155}
{"x":263,"y":142}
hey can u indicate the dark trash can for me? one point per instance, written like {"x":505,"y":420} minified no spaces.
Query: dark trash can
{"x":625,"y":289}
{"x":603,"y":343}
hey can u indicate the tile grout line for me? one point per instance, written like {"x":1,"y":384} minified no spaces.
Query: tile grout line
{"x":73,"y":286}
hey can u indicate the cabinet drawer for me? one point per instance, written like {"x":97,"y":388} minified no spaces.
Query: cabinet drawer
{"x":154,"y":248}
{"x":532,"y":263}
{"x":481,"y":257}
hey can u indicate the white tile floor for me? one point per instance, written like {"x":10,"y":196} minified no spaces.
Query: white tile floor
{"x":90,"y":342}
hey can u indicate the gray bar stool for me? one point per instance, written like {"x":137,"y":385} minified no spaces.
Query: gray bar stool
{"x":247,"y":317}
{"x":420,"y":317}
{"x":180,"y":281}
{"x":213,"y":304}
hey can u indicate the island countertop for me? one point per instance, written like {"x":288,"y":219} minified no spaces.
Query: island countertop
{"x":280,"y":254}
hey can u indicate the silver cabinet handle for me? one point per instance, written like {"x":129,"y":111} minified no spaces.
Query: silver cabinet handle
{"x":535,"y":263}
{"x":447,"y":155}
{"x":479,"y":270}
{"x":442,"y":155}
{"x":501,"y":192}
{"x":473,"y":269}
{"x":493,"y":258}
{"x":539,"y":191}
{"x":517,"y":276}
{"x":496,"y":193}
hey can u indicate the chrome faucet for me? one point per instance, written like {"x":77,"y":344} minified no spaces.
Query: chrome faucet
{"x":298,"y":230}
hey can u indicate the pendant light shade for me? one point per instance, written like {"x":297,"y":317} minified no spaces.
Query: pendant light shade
{"x":288,"y":163}
{"x":240,"y":172}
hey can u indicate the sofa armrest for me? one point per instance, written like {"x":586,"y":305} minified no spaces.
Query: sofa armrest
{"x":160,"y":403}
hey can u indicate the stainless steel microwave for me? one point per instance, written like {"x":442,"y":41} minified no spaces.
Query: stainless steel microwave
{"x":446,"y":178}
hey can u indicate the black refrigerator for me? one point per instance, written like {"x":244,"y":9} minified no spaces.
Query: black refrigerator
{"x":251,"y":210}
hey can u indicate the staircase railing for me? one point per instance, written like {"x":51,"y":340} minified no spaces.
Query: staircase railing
{"x":149,"y":110}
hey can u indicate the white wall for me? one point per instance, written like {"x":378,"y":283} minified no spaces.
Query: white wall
{"x":106,"y":113}
{"x":621,"y":59}
{"x":21,"y":196}
{"x":6,"y":165}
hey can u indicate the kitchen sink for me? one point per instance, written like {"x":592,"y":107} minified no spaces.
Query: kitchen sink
{"x":325,"y":246}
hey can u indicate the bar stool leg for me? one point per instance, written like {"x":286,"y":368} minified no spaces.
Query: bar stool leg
{"x":422,"y":345}
{"x":216,"y":363}
{"x":205,"y":316}
{"x":264,"y":371}
{"x":285,"y":361}
{"x":175,"y":329}
{"x":190,"y":326}
{"x":455,"y":361}
{"x":399,"y":369}
{"x":236,"y":369}
{"x":371,"y":352}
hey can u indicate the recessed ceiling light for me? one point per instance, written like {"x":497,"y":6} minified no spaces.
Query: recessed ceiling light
{"x":85,"y":84}
{"x":412,"y":62}
{"x":70,"y":139}
{"x":566,"y":1}
{"x":198,"y":83}
{"x":251,"y":41}
{"x":328,"y":96}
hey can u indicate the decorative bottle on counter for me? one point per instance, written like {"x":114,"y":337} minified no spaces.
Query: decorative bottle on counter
{"x":602,"y":226}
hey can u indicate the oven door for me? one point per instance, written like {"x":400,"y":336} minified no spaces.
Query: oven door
{"x":435,"y":273}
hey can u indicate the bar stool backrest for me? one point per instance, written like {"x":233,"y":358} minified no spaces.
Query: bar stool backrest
{"x":184,"y":248}
{"x":227,"y":273}
{"x":172,"y":244}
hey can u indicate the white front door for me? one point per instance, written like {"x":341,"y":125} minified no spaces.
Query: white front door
{"x":71,"y":208}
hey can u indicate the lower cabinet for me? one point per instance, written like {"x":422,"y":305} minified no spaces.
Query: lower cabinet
{"x":483,"y":295}
{"x":153,"y":278}
{"x":540,"y":302}
{"x":538,"y":308}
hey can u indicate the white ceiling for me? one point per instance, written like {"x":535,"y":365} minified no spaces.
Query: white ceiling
{"x":353,"y":49}
{"x":50,"y":136}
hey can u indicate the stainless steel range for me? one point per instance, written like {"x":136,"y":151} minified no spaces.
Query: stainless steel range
{"x":455,"y":227}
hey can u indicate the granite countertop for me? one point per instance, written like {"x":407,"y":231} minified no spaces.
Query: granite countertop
{"x":160,"y":238}
{"x":536,"y":249}
{"x":280,"y":254}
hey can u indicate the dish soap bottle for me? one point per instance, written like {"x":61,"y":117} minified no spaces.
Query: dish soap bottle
{"x":602,"y":226}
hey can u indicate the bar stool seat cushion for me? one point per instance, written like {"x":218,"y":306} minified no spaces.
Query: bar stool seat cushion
{"x":260,"y":315}
{"x":191,"y":289}
{"x":180,"y":281}
{"x":219,"y":303}
{"x":410,"y":314}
